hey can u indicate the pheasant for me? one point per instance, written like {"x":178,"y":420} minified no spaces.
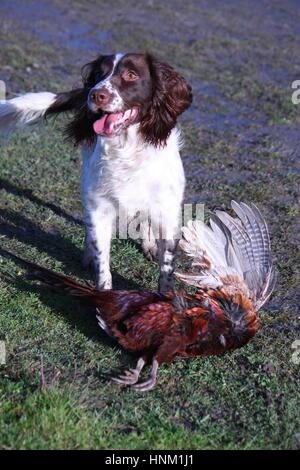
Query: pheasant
{"x":233,"y":275}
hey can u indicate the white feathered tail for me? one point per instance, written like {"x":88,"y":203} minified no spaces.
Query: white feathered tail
{"x":23,"y":110}
{"x":231,"y":248}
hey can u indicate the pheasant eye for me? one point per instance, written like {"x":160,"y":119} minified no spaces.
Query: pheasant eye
{"x":130,"y":75}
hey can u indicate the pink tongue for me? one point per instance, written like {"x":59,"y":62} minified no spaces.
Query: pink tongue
{"x":106,"y":125}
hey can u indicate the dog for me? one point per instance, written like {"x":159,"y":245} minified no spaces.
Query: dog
{"x":124,"y":119}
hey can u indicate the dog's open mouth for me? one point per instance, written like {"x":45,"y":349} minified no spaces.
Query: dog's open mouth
{"x":111,"y":124}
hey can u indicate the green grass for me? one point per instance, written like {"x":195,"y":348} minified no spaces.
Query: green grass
{"x":53,"y":392}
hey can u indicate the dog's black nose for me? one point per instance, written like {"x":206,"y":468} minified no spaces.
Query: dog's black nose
{"x":100,"y":96}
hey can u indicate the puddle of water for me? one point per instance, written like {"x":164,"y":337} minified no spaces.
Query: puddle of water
{"x":38,"y":18}
{"x":212,"y":111}
{"x":215,"y":121}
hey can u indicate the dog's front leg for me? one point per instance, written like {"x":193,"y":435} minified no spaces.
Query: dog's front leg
{"x":99,"y":223}
{"x":99,"y":217}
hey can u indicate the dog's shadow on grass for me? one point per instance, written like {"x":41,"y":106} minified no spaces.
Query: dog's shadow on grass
{"x":18,"y":227}
{"x":28,"y":193}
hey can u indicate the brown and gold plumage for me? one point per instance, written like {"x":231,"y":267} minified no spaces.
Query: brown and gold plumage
{"x":233,"y":273}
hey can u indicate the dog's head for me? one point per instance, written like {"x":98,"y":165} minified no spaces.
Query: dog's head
{"x":124,"y":89}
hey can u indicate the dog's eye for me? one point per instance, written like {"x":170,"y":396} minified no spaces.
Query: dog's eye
{"x":130,"y":75}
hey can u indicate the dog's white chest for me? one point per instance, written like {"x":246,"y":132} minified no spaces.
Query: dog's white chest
{"x":135,"y":176}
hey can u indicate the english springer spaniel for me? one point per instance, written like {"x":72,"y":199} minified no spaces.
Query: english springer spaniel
{"x":124,"y":119}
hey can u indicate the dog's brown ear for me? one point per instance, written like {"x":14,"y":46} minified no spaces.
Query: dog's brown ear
{"x":67,"y":101}
{"x":172,"y":95}
{"x":80,"y":127}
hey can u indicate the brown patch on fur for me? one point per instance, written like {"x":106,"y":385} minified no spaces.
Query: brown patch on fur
{"x":172,"y":95}
{"x":80,"y":128}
